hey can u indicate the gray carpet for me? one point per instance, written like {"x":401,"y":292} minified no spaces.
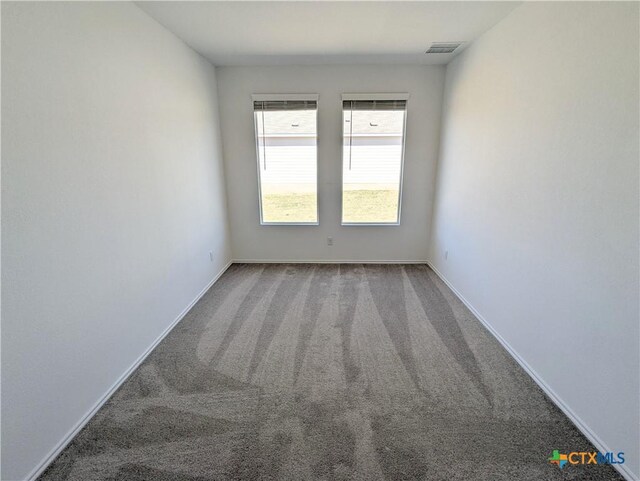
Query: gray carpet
{"x":327,"y":372}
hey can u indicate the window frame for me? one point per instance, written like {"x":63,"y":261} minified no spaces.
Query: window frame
{"x":366,"y":97}
{"x":282,"y":98}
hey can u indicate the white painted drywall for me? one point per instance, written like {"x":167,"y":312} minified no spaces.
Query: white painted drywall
{"x":298,"y":33}
{"x":112,"y":198}
{"x":407,"y":242}
{"x":537,"y":201}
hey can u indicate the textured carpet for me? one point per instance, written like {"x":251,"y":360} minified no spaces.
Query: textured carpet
{"x":327,"y":372}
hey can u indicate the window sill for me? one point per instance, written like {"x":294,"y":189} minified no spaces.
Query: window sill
{"x":289,"y":223}
{"x":371,"y":224}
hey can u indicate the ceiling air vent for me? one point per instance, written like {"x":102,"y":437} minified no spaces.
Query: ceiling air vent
{"x":443,"y":47}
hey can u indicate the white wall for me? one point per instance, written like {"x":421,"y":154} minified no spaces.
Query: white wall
{"x":112,"y":198}
{"x":537,"y":201}
{"x":252,"y":241}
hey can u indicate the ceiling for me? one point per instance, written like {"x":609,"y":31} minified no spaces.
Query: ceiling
{"x":325,"y":32}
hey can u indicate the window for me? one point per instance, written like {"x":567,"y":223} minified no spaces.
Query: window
{"x":286,"y":139}
{"x":373,"y":149}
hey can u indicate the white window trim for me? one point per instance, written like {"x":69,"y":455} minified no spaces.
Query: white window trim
{"x":284,"y":97}
{"x":397,"y":96}
{"x":387,"y":96}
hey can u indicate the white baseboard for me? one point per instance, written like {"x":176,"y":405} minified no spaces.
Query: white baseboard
{"x":48,"y":459}
{"x":557,"y":400}
{"x":323,"y":261}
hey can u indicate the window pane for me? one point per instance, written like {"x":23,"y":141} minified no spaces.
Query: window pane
{"x":286,"y":137}
{"x":372,"y":161}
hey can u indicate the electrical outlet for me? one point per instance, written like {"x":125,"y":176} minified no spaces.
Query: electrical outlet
{"x":211,"y":256}
{"x":329,"y":241}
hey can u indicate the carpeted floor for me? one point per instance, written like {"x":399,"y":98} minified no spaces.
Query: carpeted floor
{"x":327,"y":372}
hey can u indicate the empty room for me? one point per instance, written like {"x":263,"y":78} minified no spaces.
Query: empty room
{"x":320,"y":240}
